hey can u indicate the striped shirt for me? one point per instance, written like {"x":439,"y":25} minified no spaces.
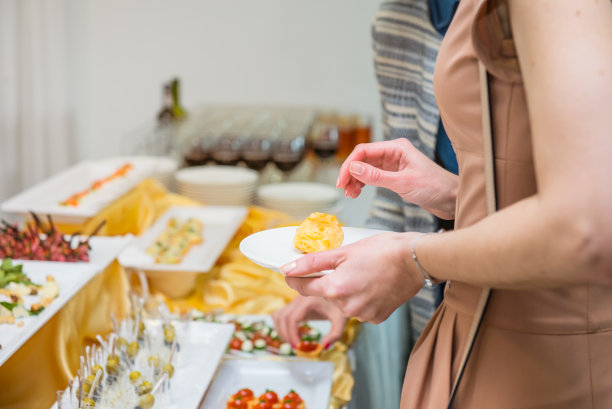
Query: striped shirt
{"x":405,"y":47}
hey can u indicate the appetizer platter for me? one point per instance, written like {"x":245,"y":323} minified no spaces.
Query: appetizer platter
{"x":148,"y":364}
{"x":310,"y":380}
{"x":184,"y":239}
{"x":254,"y":336}
{"x":81,"y":191}
{"x":274,"y":248}
{"x":41,"y":241}
{"x":32,"y":292}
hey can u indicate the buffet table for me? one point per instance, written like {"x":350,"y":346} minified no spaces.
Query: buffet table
{"x":235,"y":285}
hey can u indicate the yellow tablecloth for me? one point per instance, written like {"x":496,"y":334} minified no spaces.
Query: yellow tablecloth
{"x":50,"y":358}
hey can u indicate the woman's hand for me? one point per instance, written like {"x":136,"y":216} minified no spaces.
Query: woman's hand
{"x":287,"y":320}
{"x":397,"y":165}
{"x":372,"y":277}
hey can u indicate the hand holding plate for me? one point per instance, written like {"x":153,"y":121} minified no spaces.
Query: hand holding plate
{"x":371,"y":277}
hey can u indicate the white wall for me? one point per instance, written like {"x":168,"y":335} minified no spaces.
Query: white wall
{"x":314,"y":52}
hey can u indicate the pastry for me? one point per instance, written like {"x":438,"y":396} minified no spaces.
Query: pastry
{"x":320,"y":231}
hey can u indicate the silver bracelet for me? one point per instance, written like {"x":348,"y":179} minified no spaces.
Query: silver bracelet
{"x":428,"y":281}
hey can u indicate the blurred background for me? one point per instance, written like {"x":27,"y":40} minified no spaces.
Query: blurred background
{"x":84,"y":79}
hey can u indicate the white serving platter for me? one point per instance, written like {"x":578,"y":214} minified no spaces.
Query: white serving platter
{"x":202,"y":347}
{"x":274,"y":248}
{"x":45,"y":197}
{"x":219,"y":225}
{"x":70,"y":278}
{"x":311,"y":379}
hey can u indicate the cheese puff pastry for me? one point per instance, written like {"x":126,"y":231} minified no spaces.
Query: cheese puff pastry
{"x":320,"y":231}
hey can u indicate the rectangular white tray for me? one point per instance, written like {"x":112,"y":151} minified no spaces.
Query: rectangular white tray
{"x":70,"y":277}
{"x":311,"y":379}
{"x":197,"y":363}
{"x":45,"y":197}
{"x":219,"y":225}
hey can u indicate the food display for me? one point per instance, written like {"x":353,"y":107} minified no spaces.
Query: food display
{"x":318,"y":232}
{"x":176,"y":240}
{"x":256,"y":336}
{"x":133,"y":368}
{"x":76,"y":198}
{"x":269,"y":399}
{"x":37,"y":242}
{"x":20,"y":297}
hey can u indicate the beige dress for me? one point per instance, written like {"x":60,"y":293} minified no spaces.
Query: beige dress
{"x":545,"y":348}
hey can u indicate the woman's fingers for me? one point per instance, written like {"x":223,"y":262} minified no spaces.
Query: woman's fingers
{"x":370,"y":175}
{"x":313,"y":263}
{"x":309,"y":286}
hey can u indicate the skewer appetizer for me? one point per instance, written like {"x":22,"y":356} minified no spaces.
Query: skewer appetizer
{"x":132,"y":369}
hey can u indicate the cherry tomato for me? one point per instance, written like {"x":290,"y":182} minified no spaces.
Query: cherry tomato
{"x":269,"y":396}
{"x":289,"y":405}
{"x":307,"y":346}
{"x":275,"y":343}
{"x":263,"y":404}
{"x":257,"y":336}
{"x":245,"y":393}
{"x":303,"y":329}
{"x":292,"y":396}
{"x":238,"y":404}
{"x":235,"y":343}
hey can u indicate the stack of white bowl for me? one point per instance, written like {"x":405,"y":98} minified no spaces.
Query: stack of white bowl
{"x":299,"y":199}
{"x":218,"y":185}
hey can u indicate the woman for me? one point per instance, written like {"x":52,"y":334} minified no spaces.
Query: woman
{"x":546,"y":338}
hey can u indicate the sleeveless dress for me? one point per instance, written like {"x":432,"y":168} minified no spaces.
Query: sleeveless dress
{"x":540,"y":348}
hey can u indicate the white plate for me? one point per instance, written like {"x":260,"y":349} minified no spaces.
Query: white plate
{"x":274,"y":248}
{"x":312,"y":380}
{"x":219,"y":225}
{"x":70,"y":278}
{"x":200,"y":358}
{"x":45,"y":197}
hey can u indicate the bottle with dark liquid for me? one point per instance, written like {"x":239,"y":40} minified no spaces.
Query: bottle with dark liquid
{"x":178,"y":111}
{"x":166,"y":115}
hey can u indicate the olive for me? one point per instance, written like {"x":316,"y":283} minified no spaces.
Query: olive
{"x":146,"y":402}
{"x":144,"y":388}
